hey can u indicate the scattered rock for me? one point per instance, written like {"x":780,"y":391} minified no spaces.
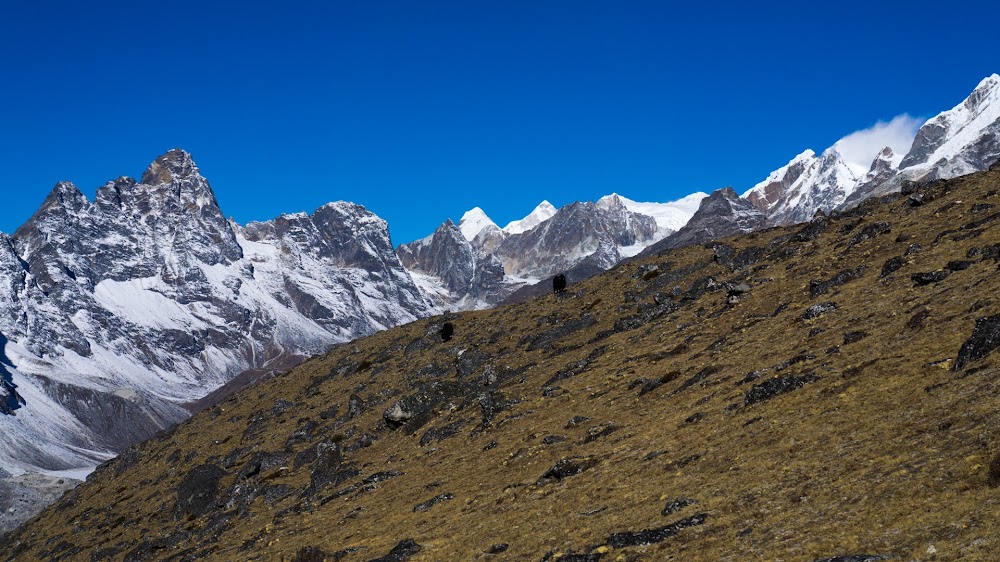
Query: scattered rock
{"x":868,"y":232}
{"x":566,"y":467}
{"x":596,"y":432}
{"x":673,"y":506}
{"x":818,"y":309}
{"x":801,"y":357}
{"x":818,"y":286}
{"x":775,"y":387}
{"x":695,"y":417}
{"x":854,"y":336}
{"x":891,"y":265}
{"x":405,"y":549}
{"x":497,"y":548}
{"x":198,"y":492}
{"x":958,"y":265}
{"x":699,"y":377}
{"x":424,"y":506}
{"x":381,"y":477}
{"x":310,"y":554}
{"x":652,"y":536}
{"x":984,"y":339}
{"x":928,"y":277}
{"x":575,"y":421}
{"x":544,"y":340}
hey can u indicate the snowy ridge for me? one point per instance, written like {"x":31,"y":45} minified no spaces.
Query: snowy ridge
{"x":670,"y":217}
{"x":948,"y":141}
{"x":543,"y":212}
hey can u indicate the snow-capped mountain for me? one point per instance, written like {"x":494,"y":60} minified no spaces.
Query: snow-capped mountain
{"x":115,"y":313}
{"x":808,"y":183}
{"x":959,"y":141}
{"x":476,"y":264}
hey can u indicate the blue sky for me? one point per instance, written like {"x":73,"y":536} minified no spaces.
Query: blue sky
{"x":420,"y":110}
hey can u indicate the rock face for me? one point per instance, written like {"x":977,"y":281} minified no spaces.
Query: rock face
{"x":721,"y":214}
{"x":807,"y":184}
{"x":447,"y":264}
{"x":116,"y":312}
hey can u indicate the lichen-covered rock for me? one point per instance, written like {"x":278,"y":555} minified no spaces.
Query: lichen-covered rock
{"x":984,"y":339}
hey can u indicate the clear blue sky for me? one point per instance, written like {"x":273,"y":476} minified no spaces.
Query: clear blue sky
{"x":420,"y":110}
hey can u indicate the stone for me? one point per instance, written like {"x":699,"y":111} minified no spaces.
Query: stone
{"x":891,"y":265}
{"x":566,"y":467}
{"x":819,"y":286}
{"x":818,"y":309}
{"x":424,"y":506}
{"x":984,"y":339}
{"x":673,"y":506}
{"x":198,"y":492}
{"x":868,"y":232}
{"x":402,"y":551}
{"x":775,"y":387}
{"x":928,"y":277}
{"x":652,"y":536}
{"x":854,"y":336}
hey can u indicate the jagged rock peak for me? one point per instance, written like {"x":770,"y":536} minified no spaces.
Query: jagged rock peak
{"x":65,"y":194}
{"x":175,"y":164}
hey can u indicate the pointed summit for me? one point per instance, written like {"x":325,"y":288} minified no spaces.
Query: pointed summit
{"x":175,"y":164}
{"x":543,"y":212}
{"x":473,"y":222}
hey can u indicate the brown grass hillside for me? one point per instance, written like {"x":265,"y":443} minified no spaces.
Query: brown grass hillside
{"x":796,"y":394}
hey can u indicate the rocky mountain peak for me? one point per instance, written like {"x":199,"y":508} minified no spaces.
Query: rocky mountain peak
{"x":986,"y":89}
{"x":175,"y":164}
{"x":723,"y":213}
{"x":65,"y":195}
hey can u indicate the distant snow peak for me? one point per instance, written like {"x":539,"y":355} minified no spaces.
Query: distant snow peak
{"x":473,"y":222}
{"x":543,"y":212}
{"x":669,"y":217}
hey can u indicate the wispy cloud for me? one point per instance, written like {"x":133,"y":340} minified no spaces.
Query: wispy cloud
{"x":861,"y":147}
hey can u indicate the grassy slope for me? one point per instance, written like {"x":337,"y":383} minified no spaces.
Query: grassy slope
{"x":888,"y":452}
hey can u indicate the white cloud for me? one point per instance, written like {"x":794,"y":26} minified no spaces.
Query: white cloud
{"x":860,"y":147}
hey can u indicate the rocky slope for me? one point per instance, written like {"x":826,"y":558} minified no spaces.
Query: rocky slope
{"x":819,"y":392}
{"x":115,"y":313}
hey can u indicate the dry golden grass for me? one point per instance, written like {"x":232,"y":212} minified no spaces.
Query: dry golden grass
{"x":887,"y":453}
